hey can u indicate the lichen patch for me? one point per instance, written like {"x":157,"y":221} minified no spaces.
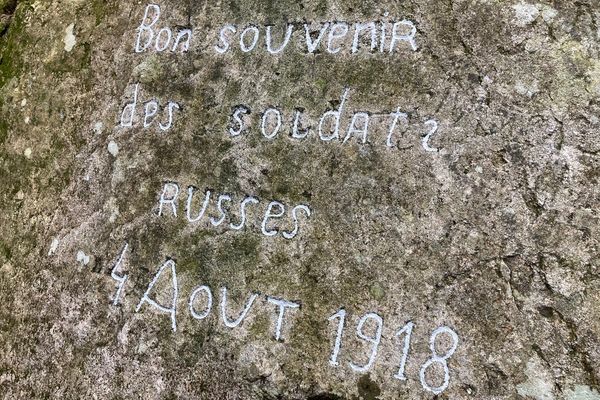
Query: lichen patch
{"x":526,"y":13}
{"x":581,"y":392}
{"x":69,"y":38}
{"x":539,"y":382}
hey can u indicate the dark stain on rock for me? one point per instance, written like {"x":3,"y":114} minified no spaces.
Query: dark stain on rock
{"x":368,"y":389}
{"x":325,"y":396}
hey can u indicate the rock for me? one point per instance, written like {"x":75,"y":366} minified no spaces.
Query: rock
{"x":582,"y":392}
{"x":300,"y":200}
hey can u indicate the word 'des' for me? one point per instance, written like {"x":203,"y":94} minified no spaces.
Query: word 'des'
{"x":150,"y":37}
{"x":200,"y":301}
{"x":275,"y":218}
{"x":152,"y":113}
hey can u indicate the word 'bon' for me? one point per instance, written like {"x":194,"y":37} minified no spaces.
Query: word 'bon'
{"x":275,"y":210}
{"x":200,"y":305}
{"x":150,"y":37}
{"x":328,"y":37}
{"x":330,"y":126}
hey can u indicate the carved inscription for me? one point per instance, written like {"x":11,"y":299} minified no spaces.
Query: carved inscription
{"x":273,"y":218}
{"x":368,"y":329}
{"x":330,"y":37}
{"x":148,"y":114}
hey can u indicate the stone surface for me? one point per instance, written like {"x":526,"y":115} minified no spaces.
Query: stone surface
{"x":487,"y":225}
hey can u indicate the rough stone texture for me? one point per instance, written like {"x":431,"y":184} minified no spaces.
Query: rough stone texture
{"x":496,"y":235}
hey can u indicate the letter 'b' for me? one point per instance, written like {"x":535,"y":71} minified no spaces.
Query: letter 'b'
{"x":145,"y":29}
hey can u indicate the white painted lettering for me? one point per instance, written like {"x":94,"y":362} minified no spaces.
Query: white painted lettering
{"x":297,"y":131}
{"x":288,"y":35}
{"x":150,"y":111}
{"x":188,"y":209}
{"x":121,"y":279}
{"x":170,"y":107}
{"x":145,"y":29}
{"x":282,"y":304}
{"x":395,"y":117}
{"x":432,"y":131}
{"x":336,"y":115}
{"x":146,"y":299}
{"x":247,"y":200}
{"x":209,"y":302}
{"x":166,"y":42}
{"x":169,"y":196}
{"x":185,"y":45}
{"x":341,"y":314}
{"x":234,"y":323}
{"x":130,"y":108}
{"x":310,"y":44}
{"x":237,"y":120}
{"x":224,"y":45}
{"x":397,"y":36}
{"x":270,"y":214}
{"x":222,"y":212}
{"x":407,"y":330}
{"x":292,"y":234}
{"x":442,"y":360}
{"x":374,"y":340}
{"x":382,"y":42}
{"x":354,"y":128}
{"x":358,"y":29}
{"x":265,"y":122}
{"x":255,"y":32}
{"x":338,"y":31}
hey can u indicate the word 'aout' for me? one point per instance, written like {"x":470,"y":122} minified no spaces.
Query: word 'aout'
{"x":195,"y":210}
{"x":200,"y":306}
{"x":330,"y":126}
{"x":328,"y":37}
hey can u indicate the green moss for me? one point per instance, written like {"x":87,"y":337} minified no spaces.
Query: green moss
{"x":191,"y":350}
{"x":78,"y":62}
{"x":280,"y":259}
{"x":5,"y":251}
{"x":261,"y":326}
{"x":100,"y":10}
{"x":233,"y":89}
{"x":3,"y":129}
{"x":12,"y":45}
{"x":377,"y":291}
{"x":4,"y":24}
{"x":194,"y":254}
{"x":243,"y":250}
{"x":321,"y":7}
{"x":322,"y":84}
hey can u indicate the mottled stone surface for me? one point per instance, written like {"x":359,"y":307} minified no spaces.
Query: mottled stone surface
{"x":495,"y":235}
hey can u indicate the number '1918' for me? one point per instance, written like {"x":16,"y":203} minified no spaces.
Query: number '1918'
{"x":406,"y":333}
